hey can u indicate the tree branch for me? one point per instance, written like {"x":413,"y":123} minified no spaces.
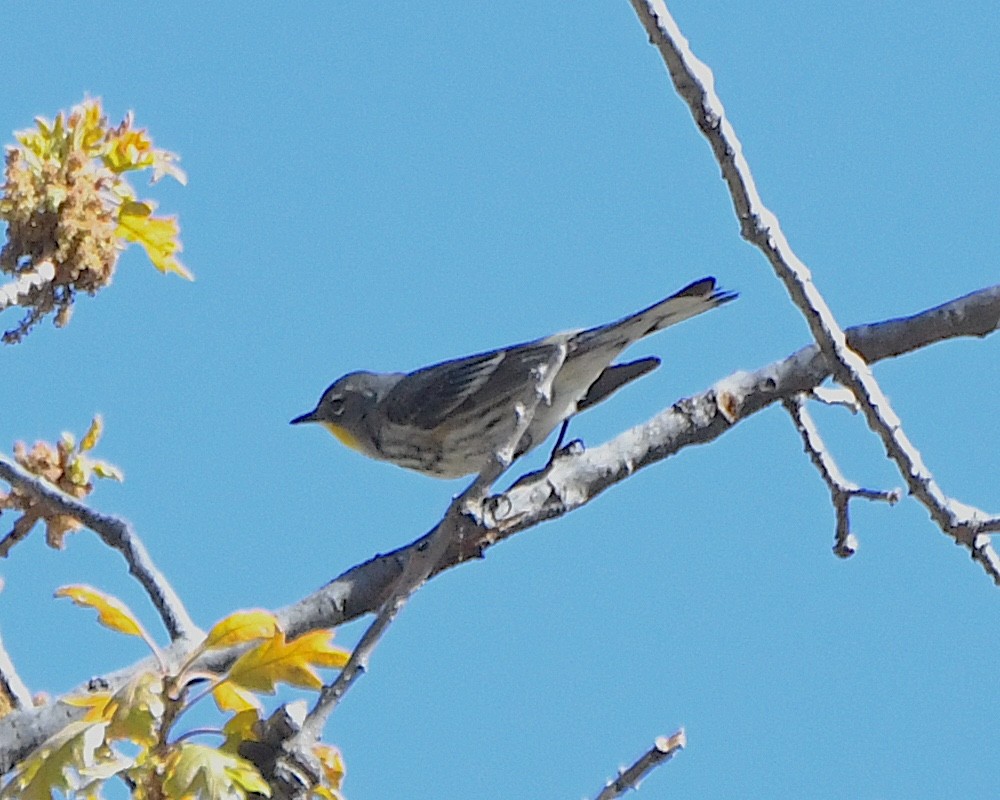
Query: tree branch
{"x":12,"y":688}
{"x":296,"y":775}
{"x":574,"y":478}
{"x":118,"y":534}
{"x":20,"y":291}
{"x":694,"y":82}
{"x":663,"y":749}
{"x":842,"y":491}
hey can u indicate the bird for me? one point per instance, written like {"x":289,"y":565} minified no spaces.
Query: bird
{"x":450,"y":419}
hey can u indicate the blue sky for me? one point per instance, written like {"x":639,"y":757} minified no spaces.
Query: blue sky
{"x":386,"y":186}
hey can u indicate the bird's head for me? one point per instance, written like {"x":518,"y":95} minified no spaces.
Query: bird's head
{"x":346,"y":402}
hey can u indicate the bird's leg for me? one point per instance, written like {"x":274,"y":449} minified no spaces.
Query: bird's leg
{"x":559,"y":440}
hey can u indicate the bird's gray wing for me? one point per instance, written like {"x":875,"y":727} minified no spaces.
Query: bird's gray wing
{"x":427,"y":397}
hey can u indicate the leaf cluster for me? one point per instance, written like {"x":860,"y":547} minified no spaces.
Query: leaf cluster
{"x":67,"y":465}
{"x":132,"y":734}
{"x":67,"y":202}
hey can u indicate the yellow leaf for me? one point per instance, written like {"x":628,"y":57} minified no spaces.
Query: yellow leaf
{"x":128,"y":149}
{"x":230,"y":697}
{"x":89,"y":125}
{"x":316,"y":645}
{"x":134,"y":712}
{"x":274,"y":660}
{"x":332,"y":763}
{"x":78,"y":471}
{"x":136,"y":208}
{"x":48,"y":142}
{"x":158,"y":236}
{"x":93,"y":434}
{"x":96,"y":703}
{"x":242,"y":626}
{"x":240,"y":728}
{"x":111,"y":612}
{"x":197,"y":771}
{"x":102,"y":469}
{"x":138,"y":709}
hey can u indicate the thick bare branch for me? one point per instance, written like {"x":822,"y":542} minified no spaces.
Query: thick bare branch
{"x":576,"y":477}
{"x":118,"y":534}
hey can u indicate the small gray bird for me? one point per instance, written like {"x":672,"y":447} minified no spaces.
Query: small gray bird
{"x":449,"y":419}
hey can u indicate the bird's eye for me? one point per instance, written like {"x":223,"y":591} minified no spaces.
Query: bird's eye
{"x":335,"y":403}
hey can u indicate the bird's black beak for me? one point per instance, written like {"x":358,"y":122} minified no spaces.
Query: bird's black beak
{"x":310,"y":417}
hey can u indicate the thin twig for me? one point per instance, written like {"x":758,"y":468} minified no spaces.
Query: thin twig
{"x":694,"y":82}
{"x":841,"y":490}
{"x":118,"y":534}
{"x":664,"y":749}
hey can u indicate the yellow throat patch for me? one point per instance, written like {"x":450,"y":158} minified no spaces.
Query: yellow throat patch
{"x":345,"y":436}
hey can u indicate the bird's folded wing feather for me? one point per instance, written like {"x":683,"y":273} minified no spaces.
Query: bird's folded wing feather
{"x":427,"y":397}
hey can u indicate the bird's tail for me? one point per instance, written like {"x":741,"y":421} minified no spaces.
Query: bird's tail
{"x":692,"y":300}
